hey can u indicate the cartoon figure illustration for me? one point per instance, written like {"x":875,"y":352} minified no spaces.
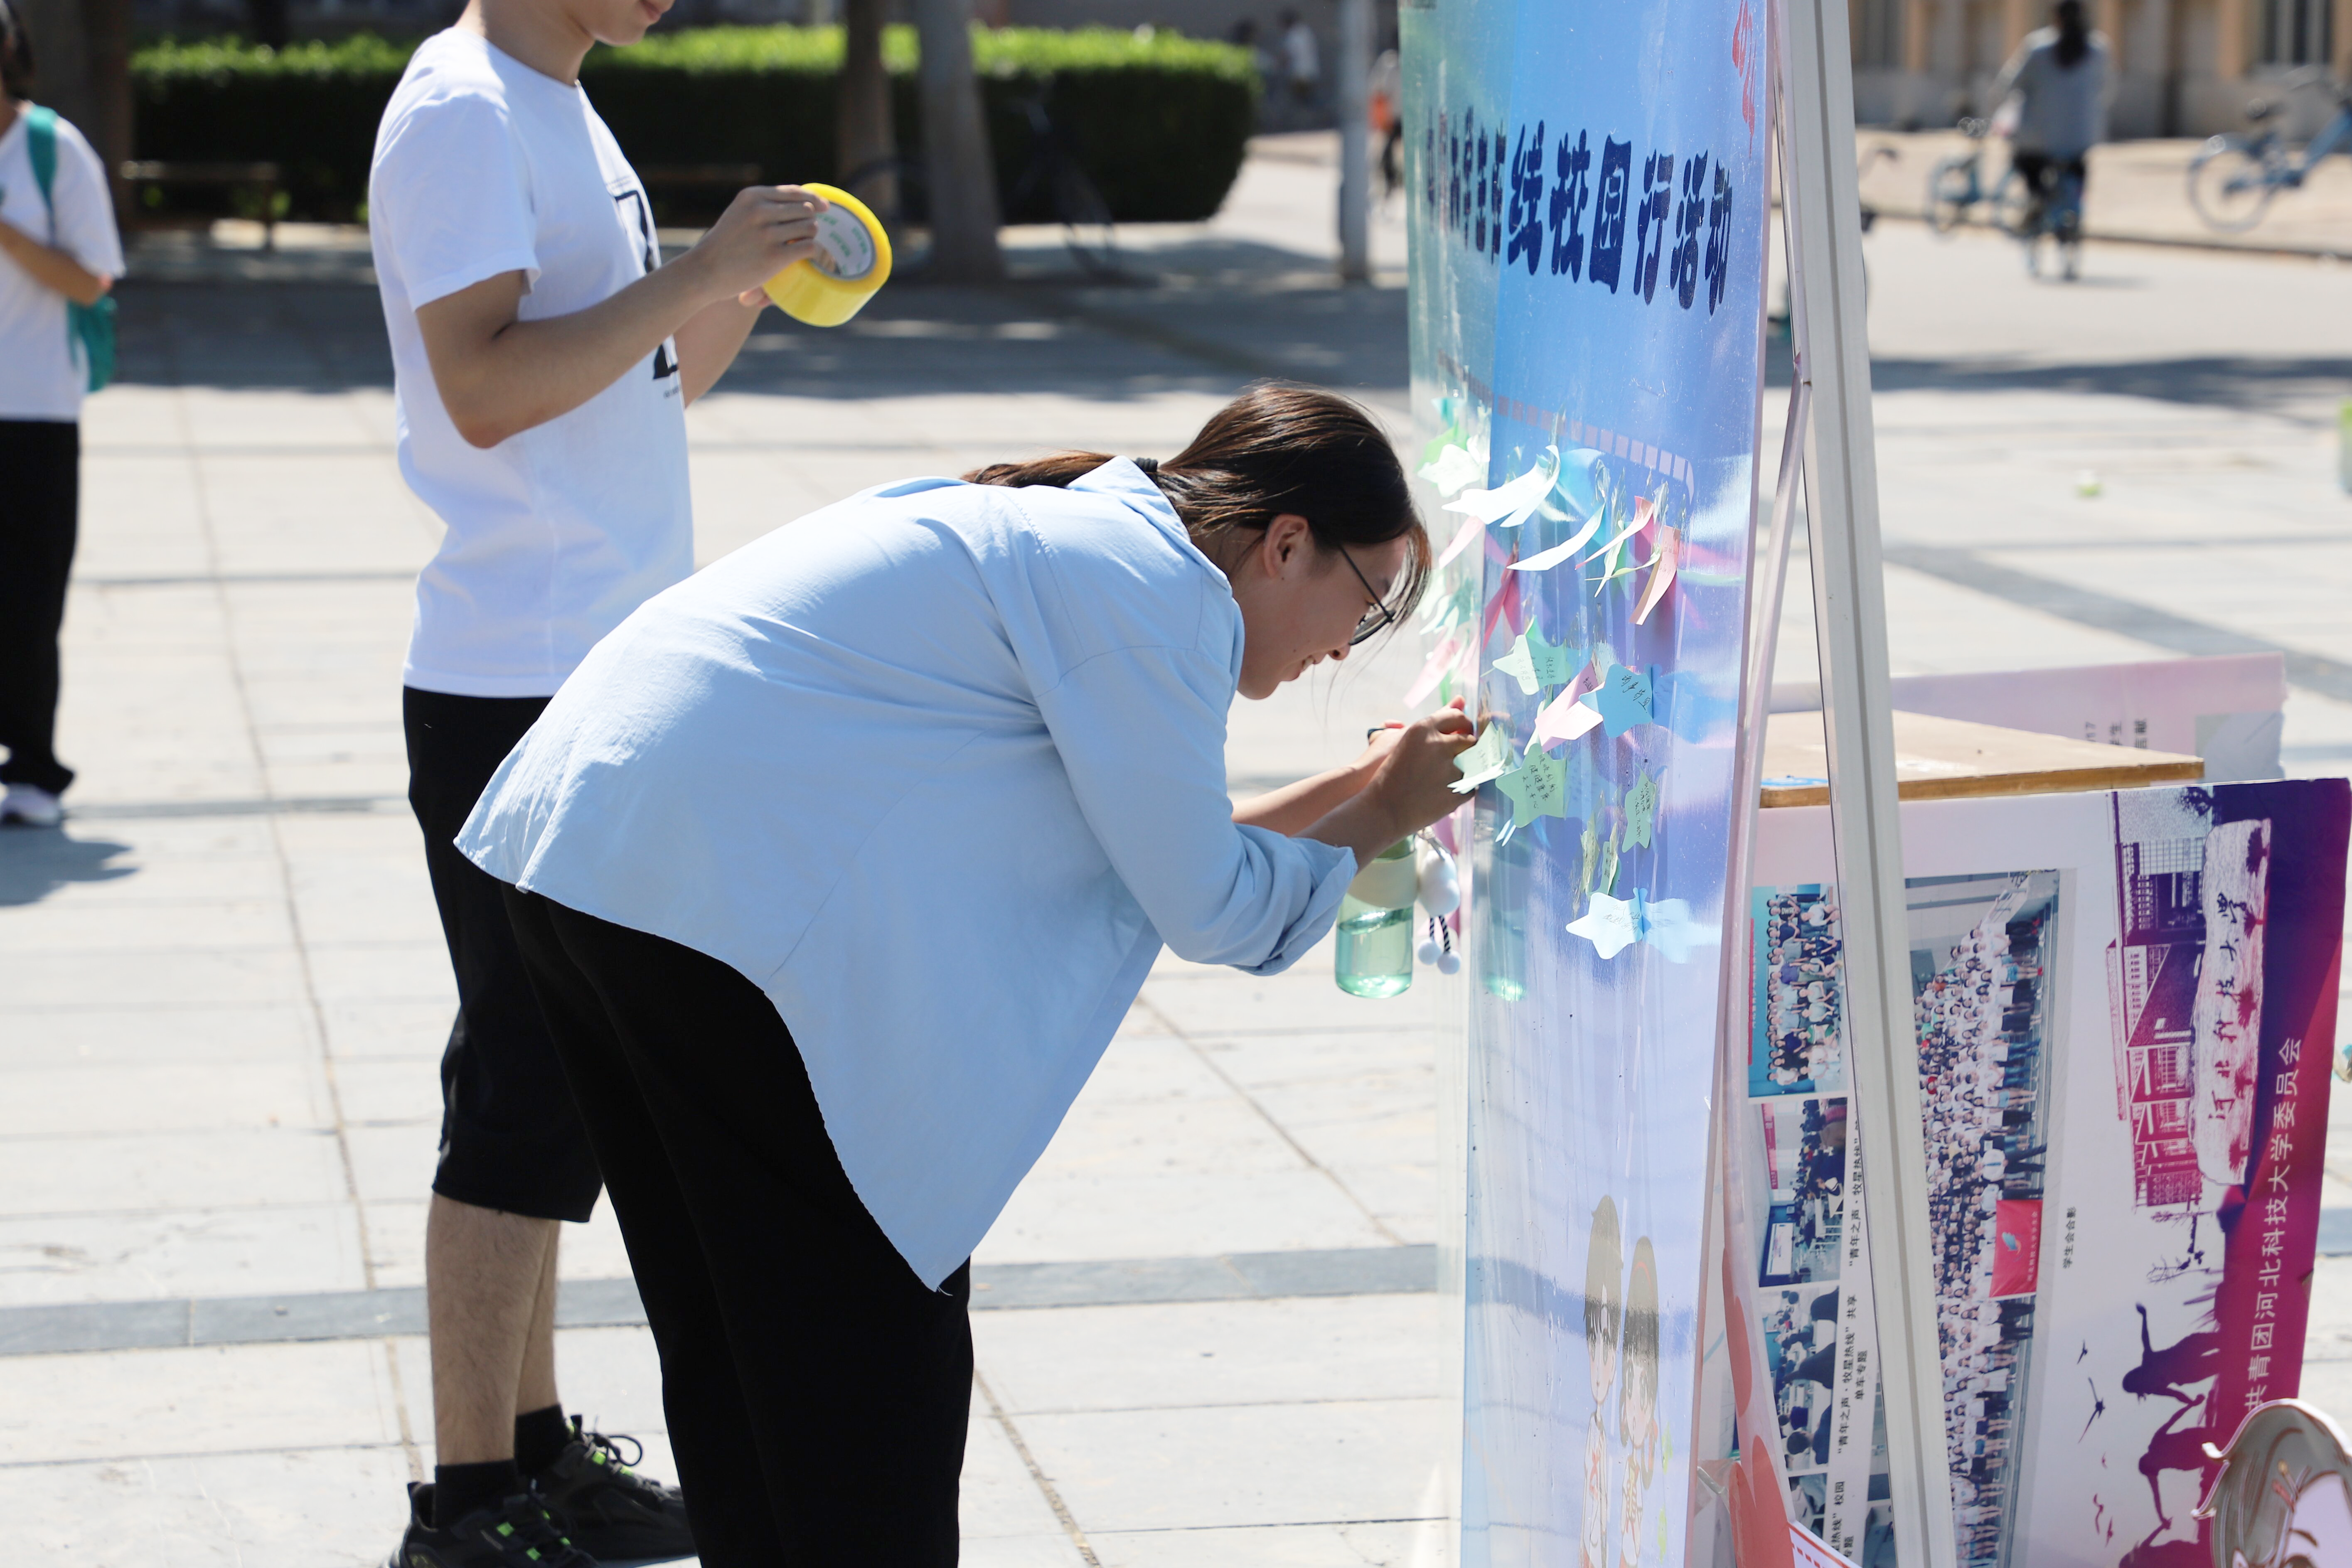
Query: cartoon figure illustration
{"x":1604,"y":1310}
{"x":1637,"y":1395}
{"x":2283,"y":1498}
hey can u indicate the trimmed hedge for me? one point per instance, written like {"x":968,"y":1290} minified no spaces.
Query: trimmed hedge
{"x":1160,"y":123}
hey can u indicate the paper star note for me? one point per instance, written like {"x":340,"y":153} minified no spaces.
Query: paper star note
{"x":1534,"y":662}
{"x":1641,"y":810}
{"x":1489,"y":758}
{"x":1612,"y":925}
{"x":1624,"y":699}
{"x":1566,"y":716}
{"x":1668,"y":925}
{"x":1544,"y":559}
{"x":1538,"y":786}
{"x":1662,"y":572}
{"x":1452,"y":469}
{"x":1608,"y":923}
{"x":1512,"y":502}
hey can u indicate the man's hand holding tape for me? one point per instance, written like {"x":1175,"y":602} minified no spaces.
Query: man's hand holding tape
{"x":500,"y":375}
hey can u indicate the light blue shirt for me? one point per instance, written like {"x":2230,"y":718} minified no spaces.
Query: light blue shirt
{"x":938,"y":768}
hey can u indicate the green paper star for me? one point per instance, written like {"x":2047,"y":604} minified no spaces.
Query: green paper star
{"x":1538,"y":786}
{"x":1641,"y":810}
{"x":1534,"y":662}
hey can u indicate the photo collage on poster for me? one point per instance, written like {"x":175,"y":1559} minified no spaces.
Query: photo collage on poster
{"x":1800,"y":1163}
{"x":1981,"y":988}
{"x":1980,"y":1001}
{"x":2121,"y":1136}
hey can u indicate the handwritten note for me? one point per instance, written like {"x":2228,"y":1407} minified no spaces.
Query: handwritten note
{"x":1592,"y":841}
{"x":1490,"y":757}
{"x":1641,"y":809}
{"x":1609,"y":862}
{"x":1624,"y":699}
{"x":1534,"y":662}
{"x":1608,"y":923}
{"x":1538,"y":786}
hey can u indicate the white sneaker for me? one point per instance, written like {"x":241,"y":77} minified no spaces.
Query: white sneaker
{"x":33,"y":807}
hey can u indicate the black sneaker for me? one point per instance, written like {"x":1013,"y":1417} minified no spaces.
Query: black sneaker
{"x":614,"y":1513}
{"x":514,"y":1534}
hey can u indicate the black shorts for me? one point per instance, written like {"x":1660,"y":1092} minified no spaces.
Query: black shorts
{"x":510,"y":1138}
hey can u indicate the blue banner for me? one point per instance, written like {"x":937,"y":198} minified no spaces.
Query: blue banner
{"x":1589,"y":211}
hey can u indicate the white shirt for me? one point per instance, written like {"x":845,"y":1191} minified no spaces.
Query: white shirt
{"x":2064,"y":111}
{"x":938,"y":768}
{"x":42,"y":376}
{"x":1299,"y":56}
{"x":484,"y":166}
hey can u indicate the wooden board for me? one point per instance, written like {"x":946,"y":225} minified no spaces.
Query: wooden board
{"x":1943,"y":758}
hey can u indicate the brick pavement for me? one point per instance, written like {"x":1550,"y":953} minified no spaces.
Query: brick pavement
{"x":222,"y":993}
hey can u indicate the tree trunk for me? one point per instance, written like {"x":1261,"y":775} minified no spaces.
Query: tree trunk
{"x":268,"y":23}
{"x":864,"y":135}
{"x":962,"y":177}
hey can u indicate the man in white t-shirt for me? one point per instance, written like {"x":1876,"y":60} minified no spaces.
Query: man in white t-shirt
{"x":543,"y":360}
{"x":58,"y":245}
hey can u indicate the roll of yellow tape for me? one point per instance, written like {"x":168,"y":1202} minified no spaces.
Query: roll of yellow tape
{"x":852,"y":262}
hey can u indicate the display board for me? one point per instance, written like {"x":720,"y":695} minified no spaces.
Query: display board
{"x":2122,"y":1002}
{"x":1589,"y":202}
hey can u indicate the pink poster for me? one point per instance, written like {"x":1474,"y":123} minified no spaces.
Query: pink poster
{"x":2122,"y":1002}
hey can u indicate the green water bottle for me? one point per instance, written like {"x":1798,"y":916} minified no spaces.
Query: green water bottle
{"x":1375,"y":930}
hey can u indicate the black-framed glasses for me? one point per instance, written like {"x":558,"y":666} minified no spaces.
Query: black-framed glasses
{"x":1379,"y":618}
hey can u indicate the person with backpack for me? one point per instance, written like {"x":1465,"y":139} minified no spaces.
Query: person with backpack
{"x":59,"y":255}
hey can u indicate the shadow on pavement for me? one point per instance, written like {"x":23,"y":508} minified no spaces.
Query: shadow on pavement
{"x":37,"y":861}
{"x":1196,"y":315}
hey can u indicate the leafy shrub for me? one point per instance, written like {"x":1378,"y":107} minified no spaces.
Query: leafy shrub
{"x":1160,"y":122}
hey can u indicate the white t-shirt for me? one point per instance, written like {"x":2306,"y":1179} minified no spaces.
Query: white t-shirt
{"x":484,"y":166}
{"x":42,"y":376}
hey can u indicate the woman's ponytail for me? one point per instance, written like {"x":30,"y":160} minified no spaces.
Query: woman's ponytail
{"x":1276,"y":449}
{"x":15,"y":54}
{"x":2074,"y":32}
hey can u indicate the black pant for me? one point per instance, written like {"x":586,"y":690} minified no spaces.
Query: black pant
{"x":509,"y":1137}
{"x":40,"y":485}
{"x":817,"y":1391}
{"x":2042,"y":173}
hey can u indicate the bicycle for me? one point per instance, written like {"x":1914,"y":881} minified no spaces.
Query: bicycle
{"x":2234,"y":178}
{"x":1956,"y":187}
{"x":1053,"y":183}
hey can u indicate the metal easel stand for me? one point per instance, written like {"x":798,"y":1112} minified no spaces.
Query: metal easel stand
{"x":1831,"y":413}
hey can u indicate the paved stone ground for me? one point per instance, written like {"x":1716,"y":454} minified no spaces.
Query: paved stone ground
{"x":222,"y":990}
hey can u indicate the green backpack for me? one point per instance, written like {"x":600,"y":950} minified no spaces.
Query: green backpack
{"x":88,"y":327}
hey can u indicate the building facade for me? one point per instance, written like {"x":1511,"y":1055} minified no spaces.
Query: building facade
{"x":2186,"y":67}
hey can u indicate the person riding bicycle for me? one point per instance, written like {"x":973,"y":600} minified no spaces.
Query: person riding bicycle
{"x":2063,"y":77}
